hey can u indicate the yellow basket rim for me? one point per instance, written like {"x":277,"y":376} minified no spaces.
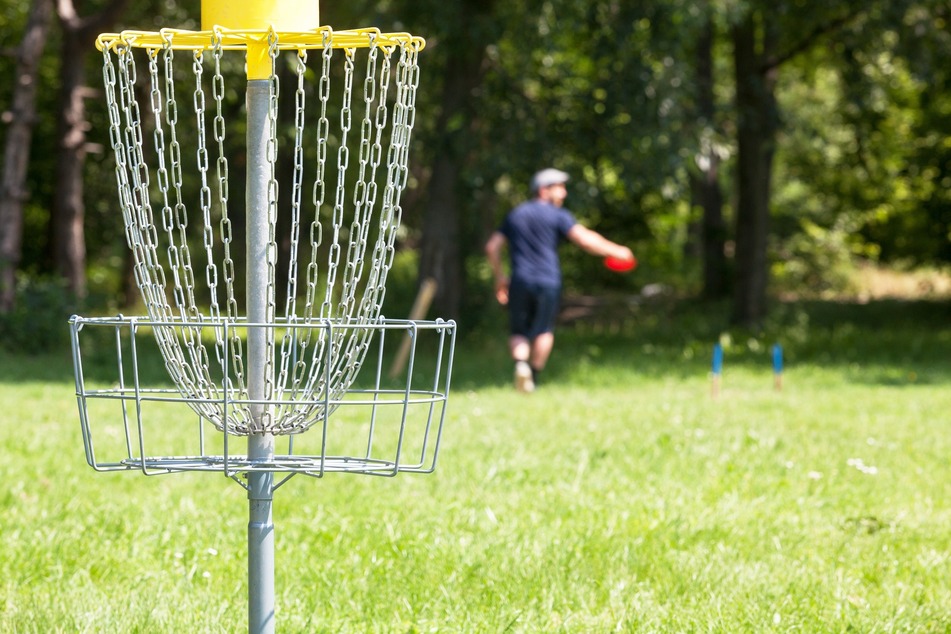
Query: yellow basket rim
{"x":232,"y":39}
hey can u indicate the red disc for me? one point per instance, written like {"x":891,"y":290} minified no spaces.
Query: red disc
{"x":618,"y":265}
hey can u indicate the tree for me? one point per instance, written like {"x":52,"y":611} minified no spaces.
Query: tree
{"x":705,"y":180}
{"x":756,"y":125}
{"x":758,"y":53}
{"x":66,"y":223}
{"x":458,"y":34}
{"x":16,"y":155}
{"x":440,"y":253}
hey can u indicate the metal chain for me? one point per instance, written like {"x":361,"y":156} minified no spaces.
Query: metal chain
{"x":407,"y":81}
{"x":320,"y":184}
{"x":120,"y":100}
{"x":364,"y":199}
{"x":199,"y":380}
{"x":174,"y":253}
{"x":300,"y":102}
{"x":225,"y":229}
{"x":340,"y":308}
{"x":303,"y":369}
{"x":179,"y":220}
{"x":204,"y":198}
{"x":371,"y":304}
{"x":348,"y":363}
{"x":221,"y":174}
{"x":169,"y":218}
{"x":141,"y":229}
{"x":345,"y":301}
{"x":319,"y":379}
{"x":343,"y":160}
{"x":360,"y":226}
{"x":288,"y":342}
{"x":193,"y":338}
{"x":271,"y":253}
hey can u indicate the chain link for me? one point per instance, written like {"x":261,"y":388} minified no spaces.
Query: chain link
{"x":320,"y":183}
{"x":226,"y":233}
{"x":327,"y":310}
{"x":288,"y":342}
{"x":195,"y":372}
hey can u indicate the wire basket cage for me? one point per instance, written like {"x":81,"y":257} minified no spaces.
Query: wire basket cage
{"x":264,"y":309}
{"x":387,"y":423}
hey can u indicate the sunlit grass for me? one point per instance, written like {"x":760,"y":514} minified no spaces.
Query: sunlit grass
{"x":619,"y":497}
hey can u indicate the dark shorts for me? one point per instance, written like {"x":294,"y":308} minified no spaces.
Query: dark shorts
{"x":532,"y":309}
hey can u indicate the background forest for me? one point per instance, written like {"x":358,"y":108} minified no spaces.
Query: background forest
{"x":745,"y":149}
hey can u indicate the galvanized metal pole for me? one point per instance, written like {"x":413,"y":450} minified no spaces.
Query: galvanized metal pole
{"x":260,"y":14}
{"x":260,"y":287}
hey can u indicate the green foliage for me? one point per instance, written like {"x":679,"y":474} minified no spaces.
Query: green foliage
{"x":814,"y":261}
{"x":37,"y":324}
{"x":607,"y":91}
{"x":922,"y":234}
{"x":847,"y":156}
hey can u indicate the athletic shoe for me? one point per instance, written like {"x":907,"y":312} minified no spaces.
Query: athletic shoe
{"x":523,"y":377}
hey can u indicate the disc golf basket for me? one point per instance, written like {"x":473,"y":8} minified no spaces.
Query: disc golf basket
{"x":266,"y":311}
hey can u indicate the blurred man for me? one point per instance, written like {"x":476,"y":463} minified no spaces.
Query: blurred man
{"x":532,"y":231}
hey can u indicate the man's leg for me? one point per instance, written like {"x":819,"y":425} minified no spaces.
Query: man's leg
{"x":521,"y":314}
{"x":544,"y":327}
{"x":541,"y":350}
{"x":521,"y":349}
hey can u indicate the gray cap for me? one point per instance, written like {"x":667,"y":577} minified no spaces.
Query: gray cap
{"x":547,"y":177}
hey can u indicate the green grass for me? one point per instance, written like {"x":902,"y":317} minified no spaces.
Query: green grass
{"x":620,"y":497}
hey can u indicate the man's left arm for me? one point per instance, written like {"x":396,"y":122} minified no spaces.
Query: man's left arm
{"x":594,"y":243}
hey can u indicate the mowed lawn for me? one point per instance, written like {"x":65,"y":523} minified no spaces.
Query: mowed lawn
{"x":620,"y":497}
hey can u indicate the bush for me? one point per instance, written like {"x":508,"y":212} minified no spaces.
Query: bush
{"x":815,"y":262}
{"x":38,"y":321}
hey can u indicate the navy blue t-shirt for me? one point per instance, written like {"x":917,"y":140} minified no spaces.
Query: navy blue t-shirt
{"x":534,"y":230}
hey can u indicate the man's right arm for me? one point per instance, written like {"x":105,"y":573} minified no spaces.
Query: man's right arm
{"x":493,"y":252}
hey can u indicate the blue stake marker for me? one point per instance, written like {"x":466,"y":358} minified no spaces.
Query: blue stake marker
{"x":717,"y":368}
{"x":778,"y":366}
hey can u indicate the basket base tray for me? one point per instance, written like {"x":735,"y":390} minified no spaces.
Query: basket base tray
{"x":310,"y":465}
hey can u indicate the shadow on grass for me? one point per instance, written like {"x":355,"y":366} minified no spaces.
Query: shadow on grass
{"x":48,"y":367}
{"x":887,"y":342}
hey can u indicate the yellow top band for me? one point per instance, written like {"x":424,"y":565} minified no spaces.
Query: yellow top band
{"x":257,"y":42}
{"x":281,"y":15}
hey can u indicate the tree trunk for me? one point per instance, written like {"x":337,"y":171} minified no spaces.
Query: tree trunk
{"x":756,"y":136}
{"x":439,"y":250}
{"x":16,"y":153}
{"x":706,"y":185}
{"x":440,"y":253}
{"x":68,"y":240}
